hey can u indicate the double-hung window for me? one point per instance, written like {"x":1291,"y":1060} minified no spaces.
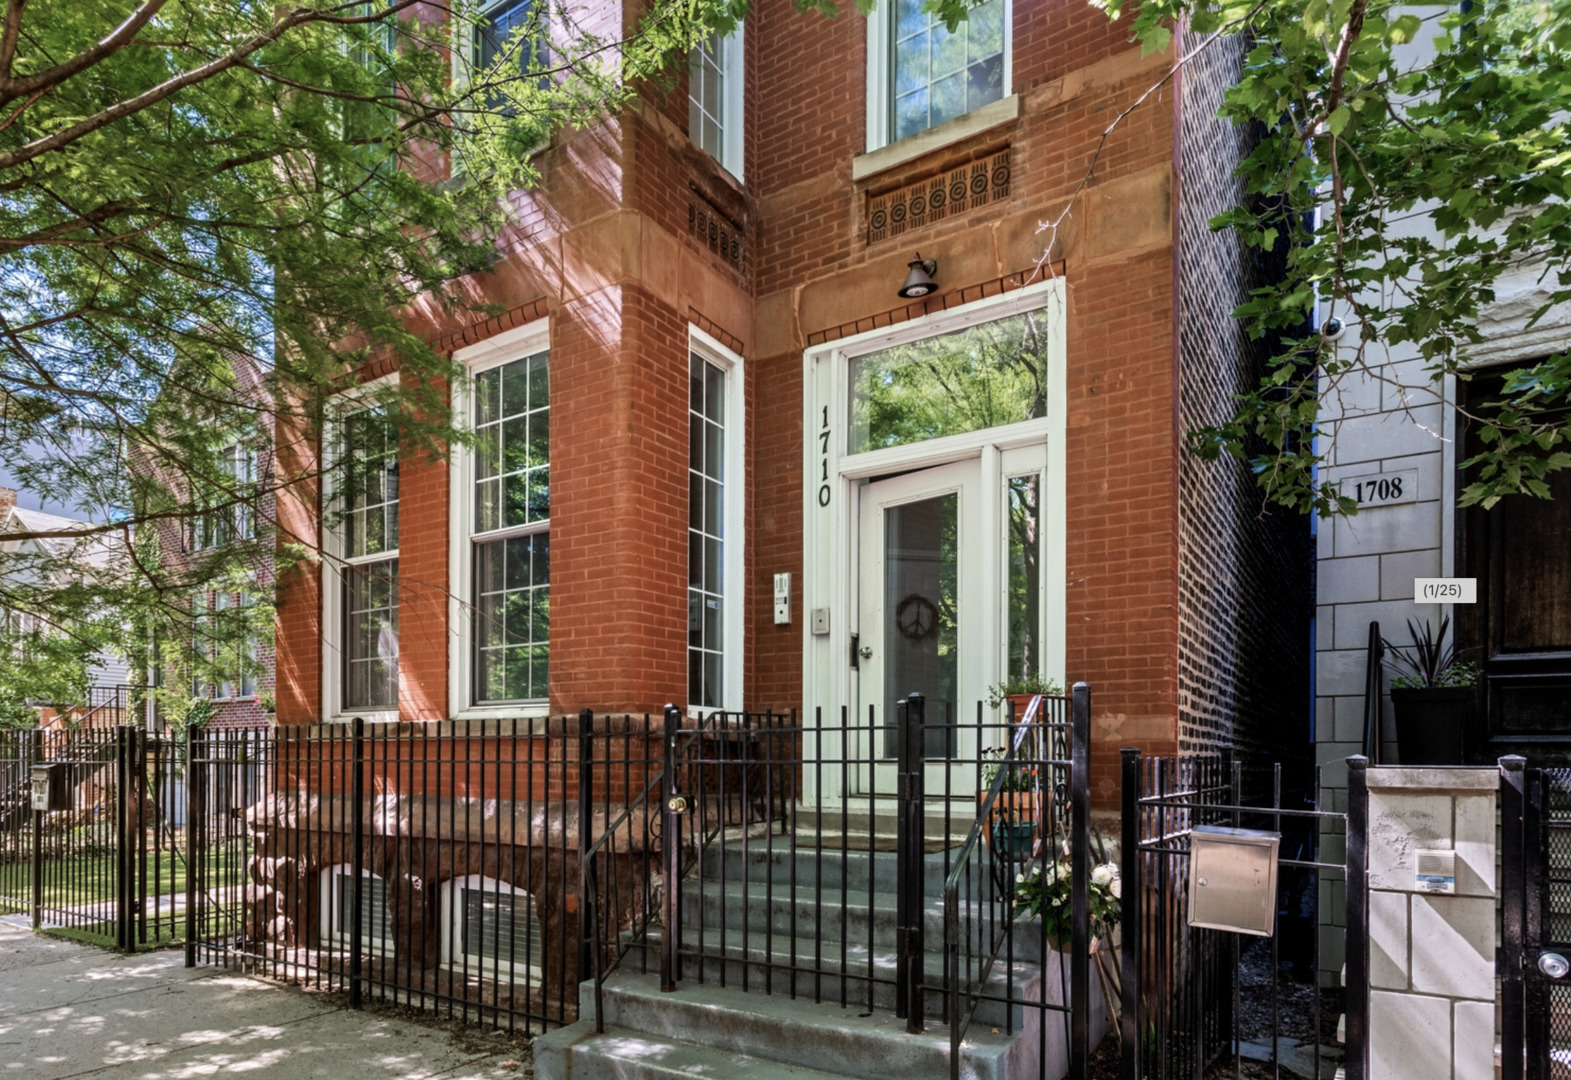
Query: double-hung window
{"x":714,"y":526}
{"x":920,"y":74}
{"x":510,"y":538}
{"x":368,"y":476}
{"x":714,"y":99}
{"x":224,"y":644}
{"x":229,"y":517}
{"x":512,"y":36}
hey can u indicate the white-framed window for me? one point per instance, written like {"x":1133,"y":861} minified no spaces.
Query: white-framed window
{"x":714,"y":525}
{"x":715,"y":98}
{"x":233,"y":521}
{"x":338,"y":907}
{"x":360,"y":578}
{"x":491,"y":929}
{"x":920,"y":75}
{"x":513,"y":32}
{"x":224,"y":645}
{"x":501,"y":527}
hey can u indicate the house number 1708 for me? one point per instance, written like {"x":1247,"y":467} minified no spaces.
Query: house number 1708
{"x":823,"y":460}
{"x":1381,"y":489}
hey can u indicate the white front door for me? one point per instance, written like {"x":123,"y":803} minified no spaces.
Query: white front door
{"x":922,"y":610}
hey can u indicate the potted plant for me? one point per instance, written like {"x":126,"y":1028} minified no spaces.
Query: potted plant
{"x":1043,"y":892}
{"x":1019,"y":690}
{"x":1432,"y":694}
{"x":1012,"y":826}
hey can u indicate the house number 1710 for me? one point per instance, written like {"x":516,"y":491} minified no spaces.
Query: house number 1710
{"x":823,"y":460}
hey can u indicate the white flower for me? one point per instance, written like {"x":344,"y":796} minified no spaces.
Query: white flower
{"x":1117,"y":889}
{"x":1058,"y":901}
{"x":1019,"y":878}
{"x":1102,"y":875}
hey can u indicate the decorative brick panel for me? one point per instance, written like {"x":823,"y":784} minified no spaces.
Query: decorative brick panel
{"x":947,"y":195}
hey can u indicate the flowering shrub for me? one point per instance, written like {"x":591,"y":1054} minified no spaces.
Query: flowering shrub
{"x":1043,"y":891}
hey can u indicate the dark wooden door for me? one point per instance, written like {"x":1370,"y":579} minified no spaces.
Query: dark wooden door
{"x":1520,"y":629}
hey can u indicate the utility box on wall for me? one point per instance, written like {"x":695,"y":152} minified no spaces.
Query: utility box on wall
{"x":1232,"y":879}
{"x":51,"y":787}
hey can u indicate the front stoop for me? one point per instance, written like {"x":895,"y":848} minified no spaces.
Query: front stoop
{"x":762,"y":898}
{"x":708,"y":1031}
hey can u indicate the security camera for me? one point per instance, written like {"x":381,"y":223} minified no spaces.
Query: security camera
{"x":1333,"y":329}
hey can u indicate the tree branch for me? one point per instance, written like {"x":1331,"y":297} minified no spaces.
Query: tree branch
{"x":119,"y":38}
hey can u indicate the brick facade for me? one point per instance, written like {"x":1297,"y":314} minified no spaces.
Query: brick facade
{"x":1244,"y":572}
{"x":636,"y":234}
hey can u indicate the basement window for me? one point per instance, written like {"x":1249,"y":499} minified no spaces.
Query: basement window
{"x":491,"y":929}
{"x":338,"y":908}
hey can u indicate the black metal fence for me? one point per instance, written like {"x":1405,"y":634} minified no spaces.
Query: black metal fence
{"x":1535,"y":894}
{"x":105,"y":858}
{"x":485,"y":870}
{"x":871,"y":862}
{"x":1182,"y":985}
{"x":436,"y":866}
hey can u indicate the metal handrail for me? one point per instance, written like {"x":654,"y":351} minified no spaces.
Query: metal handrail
{"x":590,"y":904}
{"x":958,"y":1022}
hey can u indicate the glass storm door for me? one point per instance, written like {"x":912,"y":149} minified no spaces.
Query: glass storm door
{"x":921,"y":610}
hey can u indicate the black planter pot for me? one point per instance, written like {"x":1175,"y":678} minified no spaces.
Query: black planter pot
{"x":1430,"y":723}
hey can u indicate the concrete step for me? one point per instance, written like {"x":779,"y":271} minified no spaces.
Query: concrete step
{"x":625,"y":1054}
{"x":796,"y":1034}
{"x":834,"y":970}
{"x":775,"y":859}
{"x":831,"y":916}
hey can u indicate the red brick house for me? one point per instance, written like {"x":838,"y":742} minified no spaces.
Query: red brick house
{"x":858,"y":365}
{"x":706,"y":387}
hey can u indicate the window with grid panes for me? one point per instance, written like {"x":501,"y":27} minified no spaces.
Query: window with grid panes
{"x":223,"y":639}
{"x":494,"y":40}
{"x":369,"y":496}
{"x":706,"y":539}
{"x":511,"y":531}
{"x":714,"y":99}
{"x":938,"y":75}
{"x":233,"y":521}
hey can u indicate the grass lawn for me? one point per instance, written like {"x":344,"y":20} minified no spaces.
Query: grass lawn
{"x":88,"y":879}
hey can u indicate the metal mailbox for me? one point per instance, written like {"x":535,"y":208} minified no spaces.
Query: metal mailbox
{"x":1232,"y":879}
{"x":51,"y":787}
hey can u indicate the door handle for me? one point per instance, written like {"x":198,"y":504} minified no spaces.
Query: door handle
{"x":1553,"y":964}
{"x":865,"y":652}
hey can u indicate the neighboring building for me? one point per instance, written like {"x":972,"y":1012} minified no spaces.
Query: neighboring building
{"x":704,"y":381}
{"x":21,"y":561}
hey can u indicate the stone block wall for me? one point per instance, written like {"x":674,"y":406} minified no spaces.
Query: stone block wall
{"x":1431,"y":955}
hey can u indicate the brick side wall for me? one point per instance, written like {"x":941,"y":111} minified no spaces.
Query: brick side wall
{"x":1244,"y":569}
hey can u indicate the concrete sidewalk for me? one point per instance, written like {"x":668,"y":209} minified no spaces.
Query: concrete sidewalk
{"x":69,"y":1010}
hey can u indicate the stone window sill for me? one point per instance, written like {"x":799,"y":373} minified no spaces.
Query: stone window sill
{"x":961,"y":128}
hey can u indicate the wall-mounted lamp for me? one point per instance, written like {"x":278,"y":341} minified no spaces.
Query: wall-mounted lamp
{"x":919,"y":282}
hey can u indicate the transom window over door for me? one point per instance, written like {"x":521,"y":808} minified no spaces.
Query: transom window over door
{"x":983,"y":376}
{"x":511,"y":531}
{"x":370,"y":575}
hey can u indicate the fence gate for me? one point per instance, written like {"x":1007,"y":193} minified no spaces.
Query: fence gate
{"x":1535,"y":953}
{"x":104,"y":859}
{"x":1184,"y":1005}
